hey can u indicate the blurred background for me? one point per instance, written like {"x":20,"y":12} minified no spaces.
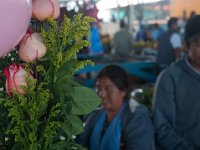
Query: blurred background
{"x":143,"y":20}
{"x":133,"y":11}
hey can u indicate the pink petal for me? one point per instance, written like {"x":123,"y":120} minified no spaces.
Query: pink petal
{"x":19,"y":79}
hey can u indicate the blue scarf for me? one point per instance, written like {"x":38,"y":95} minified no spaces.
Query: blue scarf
{"x":111,"y":138}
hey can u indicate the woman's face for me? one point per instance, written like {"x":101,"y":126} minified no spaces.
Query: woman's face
{"x":112,"y":97}
{"x":194,"y":53}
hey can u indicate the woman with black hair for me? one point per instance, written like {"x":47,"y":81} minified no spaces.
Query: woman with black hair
{"x":120,"y":123}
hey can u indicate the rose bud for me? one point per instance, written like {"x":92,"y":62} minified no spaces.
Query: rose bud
{"x":32,"y":47}
{"x":15,"y":78}
{"x":42,"y":9}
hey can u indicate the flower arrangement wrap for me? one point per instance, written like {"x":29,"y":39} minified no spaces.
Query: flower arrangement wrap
{"x":40,"y":108}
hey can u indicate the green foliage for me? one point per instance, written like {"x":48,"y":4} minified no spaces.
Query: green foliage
{"x":46,"y":116}
{"x":28,"y":113}
{"x":63,"y":44}
{"x":145,"y":97}
{"x":6,"y":140}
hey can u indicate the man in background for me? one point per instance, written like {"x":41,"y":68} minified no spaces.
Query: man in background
{"x":169,"y":45}
{"x":122,"y":42}
{"x":157,"y":32}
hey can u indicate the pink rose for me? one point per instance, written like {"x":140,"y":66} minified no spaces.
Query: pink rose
{"x":15,"y":78}
{"x":32,"y":47}
{"x":43,"y":9}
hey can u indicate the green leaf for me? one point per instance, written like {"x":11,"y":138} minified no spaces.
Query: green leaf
{"x":66,"y":129}
{"x":63,"y":145}
{"x":76,"y":124}
{"x":75,"y":146}
{"x":84,"y":101}
{"x":74,"y":83}
{"x":73,"y":126}
{"x":17,"y":146}
{"x":59,"y":146}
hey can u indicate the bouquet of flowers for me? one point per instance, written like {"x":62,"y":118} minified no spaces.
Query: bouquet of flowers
{"x":40,"y":102}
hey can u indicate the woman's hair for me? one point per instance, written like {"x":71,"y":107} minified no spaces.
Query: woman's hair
{"x":118,"y":76}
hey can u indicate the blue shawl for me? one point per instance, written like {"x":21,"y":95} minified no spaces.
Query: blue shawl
{"x":110,"y":140}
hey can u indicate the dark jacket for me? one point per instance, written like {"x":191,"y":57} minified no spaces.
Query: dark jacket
{"x":165,"y":55}
{"x":176,"y":108}
{"x":137,"y":129}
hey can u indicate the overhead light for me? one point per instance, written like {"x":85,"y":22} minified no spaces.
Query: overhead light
{"x":103,"y":4}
